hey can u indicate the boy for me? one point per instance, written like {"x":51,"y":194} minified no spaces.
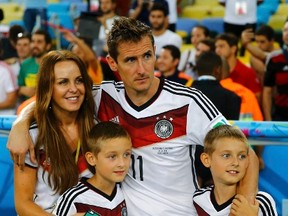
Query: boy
{"x":109,"y":152}
{"x":228,"y":165}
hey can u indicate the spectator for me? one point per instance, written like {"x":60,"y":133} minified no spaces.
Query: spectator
{"x":276,"y":75}
{"x":108,"y":15}
{"x":9,"y":44}
{"x":188,"y":60}
{"x":40,"y":45}
{"x":209,"y":69}
{"x":239,"y":15}
{"x":23,"y":49}
{"x":264,"y":38}
{"x":204,"y":45}
{"x":226,"y":47}
{"x":8,"y":88}
{"x":167,"y":64}
{"x":140,"y":9}
{"x":34,"y":9}
{"x":158,"y":18}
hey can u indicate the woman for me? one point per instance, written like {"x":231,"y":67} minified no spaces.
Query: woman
{"x":63,"y":112}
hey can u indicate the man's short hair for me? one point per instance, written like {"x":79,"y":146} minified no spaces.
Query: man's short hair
{"x":266,"y":31}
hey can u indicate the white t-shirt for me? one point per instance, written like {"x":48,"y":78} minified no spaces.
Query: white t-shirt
{"x":7,"y":84}
{"x":240,"y":12}
{"x":168,"y":38}
{"x":205,"y":202}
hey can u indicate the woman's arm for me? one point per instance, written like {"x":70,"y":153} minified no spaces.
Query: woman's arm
{"x":24,"y":188}
{"x":19,"y":140}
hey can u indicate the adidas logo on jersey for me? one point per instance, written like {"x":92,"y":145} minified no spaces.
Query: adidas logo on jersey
{"x":115,"y":119}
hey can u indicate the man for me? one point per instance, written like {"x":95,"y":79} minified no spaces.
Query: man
{"x":40,"y":45}
{"x":264,"y":38}
{"x":239,"y":15}
{"x":188,"y":58}
{"x":165,"y":121}
{"x":8,"y":88}
{"x":209,"y":76}
{"x":276,"y":75}
{"x":23,"y":49}
{"x":140,"y":9}
{"x":158,"y":18}
{"x":227,"y":47}
{"x":108,"y":15}
{"x":9,"y":53}
{"x":167,"y":65}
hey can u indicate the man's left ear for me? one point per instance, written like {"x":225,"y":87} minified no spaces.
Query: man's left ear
{"x":112,"y":63}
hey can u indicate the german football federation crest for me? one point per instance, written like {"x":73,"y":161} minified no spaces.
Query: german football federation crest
{"x":163,"y":128}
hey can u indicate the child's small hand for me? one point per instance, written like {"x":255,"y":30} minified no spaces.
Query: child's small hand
{"x":241,"y":206}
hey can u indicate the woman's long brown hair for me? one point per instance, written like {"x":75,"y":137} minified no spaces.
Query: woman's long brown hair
{"x":63,"y":172}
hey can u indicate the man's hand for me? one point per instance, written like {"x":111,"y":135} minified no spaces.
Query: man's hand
{"x":247,"y":36}
{"x":241,"y":206}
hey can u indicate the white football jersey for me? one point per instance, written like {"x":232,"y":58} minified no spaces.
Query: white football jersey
{"x":164,"y":132}
{"x":205,"y":204}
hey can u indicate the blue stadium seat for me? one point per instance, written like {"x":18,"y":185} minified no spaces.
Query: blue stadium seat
{"x":61,"y":7}
{"x":186,"y":24}
{"x":215,"y":25}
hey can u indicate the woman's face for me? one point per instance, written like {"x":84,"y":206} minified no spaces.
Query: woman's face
{"x":68,"y":91}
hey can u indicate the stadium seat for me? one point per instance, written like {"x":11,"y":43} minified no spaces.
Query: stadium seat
{"x":215,"y":25}
{"x":282,"y":9}
{"x":217,"y":11}
{"x":196,"y":11}
{"x":61,"y":7}
{"x":12,"y":11}
{"x":185,"y":25}
{"x":263,"y":14}
{"x":277,"y":21}
{"x":206,"y":2}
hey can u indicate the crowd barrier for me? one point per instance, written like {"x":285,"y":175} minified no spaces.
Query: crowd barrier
{"x":273,"y":179}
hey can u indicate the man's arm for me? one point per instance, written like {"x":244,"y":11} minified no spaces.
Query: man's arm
{"x":10,"y":100}
{"x":19,"y":140}
{"x":267,"y":103}
{"x":246,"y":39}
{"x":248,"y":186}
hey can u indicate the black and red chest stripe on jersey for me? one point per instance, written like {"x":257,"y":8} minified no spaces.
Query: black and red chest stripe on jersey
{"x":145,"y":131}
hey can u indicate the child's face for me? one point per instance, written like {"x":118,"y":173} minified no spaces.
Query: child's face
{"x":113,"y":160}
{"x":229,"y":161}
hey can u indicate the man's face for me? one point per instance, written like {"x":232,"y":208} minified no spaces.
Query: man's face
{"x":157,"y":20}
{"x":135,"y":64}
{"x":165,"y":62}
{"x":197,"y":35}
{"x":106,"y":6}
{"x":38,"y":45}
{"x":23,"y":48}
{"x":263,"y":43}
{"x":285,"y":34}
{"x":223,"y":49}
